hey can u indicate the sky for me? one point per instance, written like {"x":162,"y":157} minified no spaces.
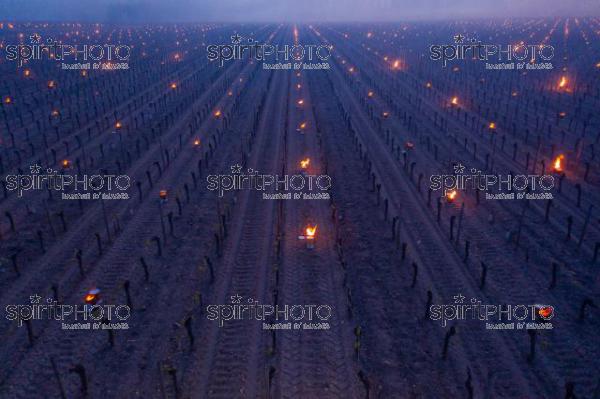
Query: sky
{"x":140,"y":11}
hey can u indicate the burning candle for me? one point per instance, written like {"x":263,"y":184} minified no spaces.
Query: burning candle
{"x":173,"y":85}
{"x":92,"y":296}
{"x":51,"y":84}
{"x":118,"y":125}
{"x":563,"y":82}
{"x":26,"y":73}
{"x":302,"y":126}
{"x":7,"y":100}
{"x":304,"y":163}
{"x":558,"y":164}
{"x":196,"y":142}
{"x":492,"y":125}
{"x":311,"y":232}
{"x":162,"y":194}
{"x":65,"y":163}
{"x":217,"y":113}
{"x":454,"y":100}
{"x":451,"y":195}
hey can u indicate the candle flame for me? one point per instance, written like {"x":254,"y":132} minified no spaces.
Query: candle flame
{"x":173,"y":85}
{"x":118,"y":125}
{"x":558,"y":164}
{"x":451,"y":195}
{"x":217,"y":113}
{"x":454,"y":101}
{"x":162,"y":194}
{"x":492,"y":125}
{"x":304,"y":163}
{"x":197,"y":142}
{"x":563,"y":82}
{"x":311,"y":231}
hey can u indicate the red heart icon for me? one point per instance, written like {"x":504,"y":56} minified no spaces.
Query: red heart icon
{"x":546,"y":312}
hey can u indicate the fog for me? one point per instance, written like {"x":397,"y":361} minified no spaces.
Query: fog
{"x":140,"y":11}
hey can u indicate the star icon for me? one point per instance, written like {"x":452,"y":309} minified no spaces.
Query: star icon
{"x":459,"y":38}
{"x":459,"y":168}
{"x":35,"y":169}
{"x":35,"y":298}
{"x":35,"y":38}
{"x":459,"y":298}
{"x":235,"y":169}
{"x":235,"y":298}
{"x":236,"y":39}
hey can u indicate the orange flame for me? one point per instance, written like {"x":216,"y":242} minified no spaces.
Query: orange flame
{"x":451,"y":195}
{"x":173,"y":85}
{"x":558,"y":165}
{"x":454,"y":100}
{"x":492,"y":125}
{"x":27,"y":72}
{"x":65,"y":163}
{"x":370,"y":94}
{"x":196,"y":142}
{"x":118,"y":125}
{"x":162,"y":194}
{"x":300,"y":102}
{"x":51,"y":84}
{"x":304,"y":163}
{"x":311,"y":231}
{"x":385,"y":114}
{"x":89,"y":298}
{"x":302,"y":125}
{"x":563,"y":82}
{"x":428,"y":85}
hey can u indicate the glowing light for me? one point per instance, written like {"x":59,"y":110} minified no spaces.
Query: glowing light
{"x":351,"y":69}
{"x":454,"y":100}
{"x":84,"y":73}
{"x":451,"y":195}
{"x":304,"y":163}
{"x":162,"y":194}
{"x":7,"y":100}
{"x":217,"y":113}
{"x":428,"y":85}
{"x":563,"y":82}
{"x":492,"y":125}
{"x":118,"y":125}
{"x":300,"y":102}
{"x":370,"y":94}
{"x":173,"y":85}
{"x":514,"y":94}
{"x":55,"y":112}
{"x":562,"y":114}
{"x":196,"y":142}
{"x":230,"y":93}
{"x":51,"y":84}
{"x":26,"y":73}
{"x":92,"y":296}
{"x":409,"y":145}
{"x":558,"y":164}
{"x":385,"y":114}
{"x":397,"y":64}
{"x":311,"y":232}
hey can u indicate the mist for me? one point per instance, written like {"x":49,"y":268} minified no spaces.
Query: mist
{"x":145,"y":11}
